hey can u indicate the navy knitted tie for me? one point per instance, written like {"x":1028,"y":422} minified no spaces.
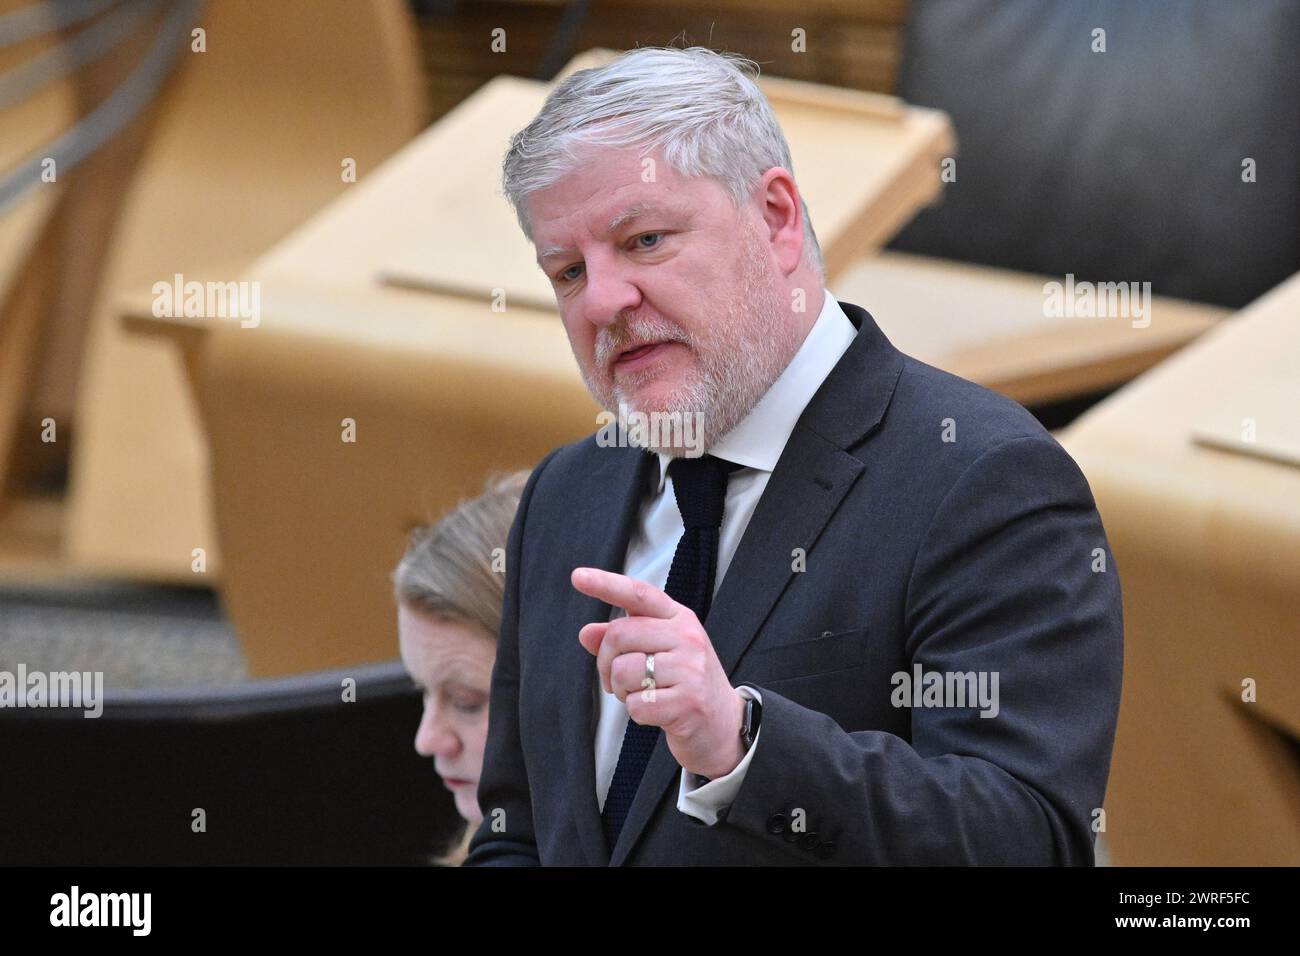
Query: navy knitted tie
{"x":700,"y":485}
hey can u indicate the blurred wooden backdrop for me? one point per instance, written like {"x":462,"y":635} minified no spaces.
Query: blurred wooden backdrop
{"x":849,"y":43}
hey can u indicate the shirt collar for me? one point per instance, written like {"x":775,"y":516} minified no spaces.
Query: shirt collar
{"x":759,"y":438}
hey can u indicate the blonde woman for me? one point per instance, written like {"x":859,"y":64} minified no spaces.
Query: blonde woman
{"x":448,"y":614}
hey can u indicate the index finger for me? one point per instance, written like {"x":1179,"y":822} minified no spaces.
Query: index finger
{"x":636,"y":597}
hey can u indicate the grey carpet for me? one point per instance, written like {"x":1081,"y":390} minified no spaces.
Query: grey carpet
{"x":139,"y":636}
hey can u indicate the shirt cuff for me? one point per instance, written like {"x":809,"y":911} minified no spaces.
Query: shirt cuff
{"x":703,"y":800}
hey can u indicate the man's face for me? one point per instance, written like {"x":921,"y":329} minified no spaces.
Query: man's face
{"x":687,"y":280}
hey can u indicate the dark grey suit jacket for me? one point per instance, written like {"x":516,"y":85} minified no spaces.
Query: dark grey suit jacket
{"x":979,"y":554}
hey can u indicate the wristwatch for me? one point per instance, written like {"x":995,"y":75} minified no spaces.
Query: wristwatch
{"x":748,"y":730}
{"x":749,"y":727}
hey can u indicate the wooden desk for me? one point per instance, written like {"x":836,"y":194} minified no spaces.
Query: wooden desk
{"x":1207,"y":545}
{"x":433,"y":218}
{"x":440,"y":392}
{"x":989,"y":325}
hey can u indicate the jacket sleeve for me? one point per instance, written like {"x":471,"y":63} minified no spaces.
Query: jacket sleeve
{"x":506,"y":836}
{"x":1013,"y":577}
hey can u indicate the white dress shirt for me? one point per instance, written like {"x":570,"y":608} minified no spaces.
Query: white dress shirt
{"x":756,"y":443}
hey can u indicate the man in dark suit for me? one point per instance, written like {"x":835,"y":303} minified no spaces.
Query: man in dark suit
{"x":876,"y":622}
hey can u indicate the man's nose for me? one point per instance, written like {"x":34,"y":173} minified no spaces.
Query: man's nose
{"x":610,"y":290}
{"x":434,"y":738}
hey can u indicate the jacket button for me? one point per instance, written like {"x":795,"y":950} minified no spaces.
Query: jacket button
{"x":776,"y":823}
{"x":722,"y":813}
{"x":791,"y":836}
{"x":809,"y":840}
{"x":825,"y":850}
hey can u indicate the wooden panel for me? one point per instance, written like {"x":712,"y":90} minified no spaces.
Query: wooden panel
{"x":249,"y":144}
{"x":855,"y":44}
{"x":27,"y":249}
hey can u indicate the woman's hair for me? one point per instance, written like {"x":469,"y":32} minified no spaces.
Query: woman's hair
{"x":703,"y":108}
{"x":448,"y":572}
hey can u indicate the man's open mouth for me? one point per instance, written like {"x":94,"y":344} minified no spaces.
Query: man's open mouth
{"x":635,"y":352}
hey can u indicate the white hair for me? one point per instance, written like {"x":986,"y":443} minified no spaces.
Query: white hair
{"x":702,"y":107}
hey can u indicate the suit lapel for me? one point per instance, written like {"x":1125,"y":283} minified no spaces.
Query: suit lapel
{"x":809,"y":482}
{"x":598,"y":538}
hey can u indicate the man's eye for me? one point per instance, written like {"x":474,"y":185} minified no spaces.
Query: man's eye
{"x":564,"y":276}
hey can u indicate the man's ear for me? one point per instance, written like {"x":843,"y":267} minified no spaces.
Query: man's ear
{"x":782,"y":210}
